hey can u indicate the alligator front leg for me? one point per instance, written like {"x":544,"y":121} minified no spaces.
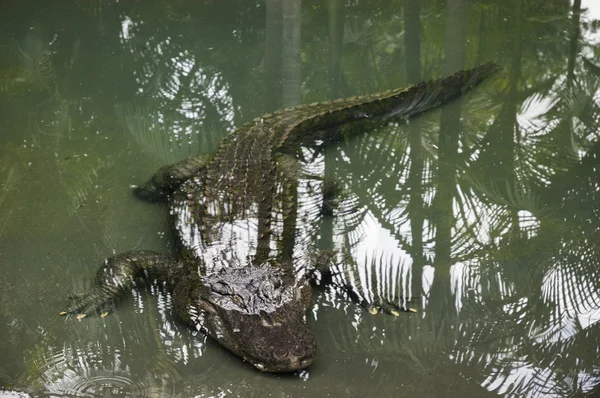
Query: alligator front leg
{"x":331,"y":267}
{"x":168,"y":178}
{"x":117,"y":276}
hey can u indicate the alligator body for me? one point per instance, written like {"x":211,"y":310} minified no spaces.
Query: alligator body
{"x":237,"y":276}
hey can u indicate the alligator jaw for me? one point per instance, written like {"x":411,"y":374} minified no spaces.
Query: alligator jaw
{"x":295,"y":364}
{"x":256,"y":312}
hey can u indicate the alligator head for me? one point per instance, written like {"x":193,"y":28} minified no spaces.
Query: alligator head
{"x":257,"y":312}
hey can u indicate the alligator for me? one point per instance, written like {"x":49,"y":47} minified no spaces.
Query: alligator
{"x":236,"y":276}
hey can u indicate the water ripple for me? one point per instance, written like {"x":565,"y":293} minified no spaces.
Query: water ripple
{"x":94,"y":371}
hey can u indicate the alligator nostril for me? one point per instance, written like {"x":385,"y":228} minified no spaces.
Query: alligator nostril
{"x":281,"y":353}
{"x":304,"y":359}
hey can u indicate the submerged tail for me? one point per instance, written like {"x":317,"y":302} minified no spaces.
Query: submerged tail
{"x":398,"y":103}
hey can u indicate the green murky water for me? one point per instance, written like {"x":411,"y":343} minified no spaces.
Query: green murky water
{"x":486,"y":211}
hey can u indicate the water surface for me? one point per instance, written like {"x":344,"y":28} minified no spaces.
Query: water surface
{"x":486,"y":211}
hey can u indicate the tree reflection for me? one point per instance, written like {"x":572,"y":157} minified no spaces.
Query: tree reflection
{"x":496,"y":198}
{"x":522,"y":214}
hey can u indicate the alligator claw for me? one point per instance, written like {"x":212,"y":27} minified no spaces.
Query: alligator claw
{"x":94,"y":301}
{"x":386,"y":307}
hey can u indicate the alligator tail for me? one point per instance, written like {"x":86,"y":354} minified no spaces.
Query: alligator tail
{"x":393,"y":104}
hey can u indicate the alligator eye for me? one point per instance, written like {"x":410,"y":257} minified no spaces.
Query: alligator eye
{"x":281,"y":353}
{"x":221,"y":288}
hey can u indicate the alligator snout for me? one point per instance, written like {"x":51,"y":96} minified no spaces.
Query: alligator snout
{"x":297,"y":357}
{"x":289,"y":359}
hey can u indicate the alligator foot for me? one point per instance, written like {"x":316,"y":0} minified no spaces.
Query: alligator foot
{"x":168,"y":178}
{"x":328,"y":269}
{"x":117,"y":275}
{"x":386,"y":307}
{"x":96,"y":301}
